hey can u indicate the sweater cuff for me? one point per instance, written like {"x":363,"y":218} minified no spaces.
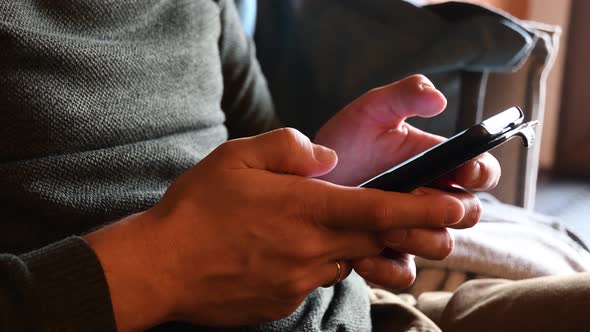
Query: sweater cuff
{"x":68,"y":276}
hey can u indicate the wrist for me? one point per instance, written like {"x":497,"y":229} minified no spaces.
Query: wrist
{"x":125,"y":250}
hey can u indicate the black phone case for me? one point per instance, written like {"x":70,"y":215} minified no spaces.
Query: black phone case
{"x":426,"y":167}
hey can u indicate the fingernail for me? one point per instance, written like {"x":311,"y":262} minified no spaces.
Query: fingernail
{"x":396,"y":237}
{"x":365,"y":267}
{"x":451,"y":216}
{"x":323,"y":154}
{"x":476,"y":169}
{"x":427,"y":86}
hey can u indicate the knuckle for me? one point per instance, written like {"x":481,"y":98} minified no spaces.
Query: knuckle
{"x":227,"y":149}
{"x":410,"y":83}
{"x":314,"y":208}
{"x":290,"y":136}
{"x":310,"y":210}
{"x":291,"y":142}
{"x":417,"y":78}
{"x":382,"y":215}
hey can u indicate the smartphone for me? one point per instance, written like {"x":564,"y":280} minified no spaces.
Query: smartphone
{"x":439,"y":160}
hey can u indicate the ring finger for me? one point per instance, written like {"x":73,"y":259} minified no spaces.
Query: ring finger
{"x":339,"y":270}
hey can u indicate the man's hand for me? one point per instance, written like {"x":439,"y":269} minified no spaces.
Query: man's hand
{"x":370,"y":136}
{"x":246,"y":234}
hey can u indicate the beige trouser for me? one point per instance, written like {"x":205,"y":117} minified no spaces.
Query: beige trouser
{"x":557,"y":303}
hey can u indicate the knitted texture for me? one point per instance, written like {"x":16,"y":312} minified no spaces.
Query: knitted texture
{"x":69,"y":262}
{"x":102,"y":105}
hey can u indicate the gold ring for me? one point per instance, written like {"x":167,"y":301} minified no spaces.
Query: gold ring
{"x":338,"y":277}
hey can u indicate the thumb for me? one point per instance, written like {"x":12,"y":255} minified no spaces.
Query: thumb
{"x":284,"y":150}
{"x":412,"y":96}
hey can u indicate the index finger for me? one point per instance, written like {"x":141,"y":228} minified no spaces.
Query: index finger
{"x":375,"y":210}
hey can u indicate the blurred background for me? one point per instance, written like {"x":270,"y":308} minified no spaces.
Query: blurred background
{"x":564,"y":179}
{"x":319,"y":55}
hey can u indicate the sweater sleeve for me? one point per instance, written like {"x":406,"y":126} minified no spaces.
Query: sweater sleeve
{"x":246,"y":98}
{"x":60,"y":287}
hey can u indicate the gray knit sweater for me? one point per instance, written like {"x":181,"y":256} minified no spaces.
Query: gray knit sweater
{"x":102,"y":105}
